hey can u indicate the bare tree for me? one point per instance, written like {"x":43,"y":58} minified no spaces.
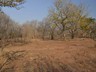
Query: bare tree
{"x":29,"y":30}
{"x":42,"y":29}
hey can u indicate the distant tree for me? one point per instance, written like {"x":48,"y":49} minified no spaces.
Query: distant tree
{"x":57,"y":14}
{"x":8,"y":28}
{"x":42,"y":29}
{"x":74,"y":19}
{"x":47,"y":28}
{"x":67,"y":17}
{"x":92,"y":28}
{"x":29,"y":29}
{"x":86,"y":26}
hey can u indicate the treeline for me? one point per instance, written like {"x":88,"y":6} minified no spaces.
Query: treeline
{"x":8,"y":28}
{"x":65,"y":20}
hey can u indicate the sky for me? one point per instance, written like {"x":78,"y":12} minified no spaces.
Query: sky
{"x":38,"y":10}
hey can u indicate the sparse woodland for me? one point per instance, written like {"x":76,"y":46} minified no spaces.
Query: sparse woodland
{"x":65,"y":20}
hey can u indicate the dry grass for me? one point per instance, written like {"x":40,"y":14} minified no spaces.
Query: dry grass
{"x":78,"y":55}
{"x":46,"y":64}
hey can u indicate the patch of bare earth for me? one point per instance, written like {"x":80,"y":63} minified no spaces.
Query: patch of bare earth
{"x":78,"y":55}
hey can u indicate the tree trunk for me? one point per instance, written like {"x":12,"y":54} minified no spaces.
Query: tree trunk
{"x":72,"y":36}
{"x":52,"y":37}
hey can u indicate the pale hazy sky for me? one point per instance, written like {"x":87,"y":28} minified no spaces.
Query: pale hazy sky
{"x":38,"y":9}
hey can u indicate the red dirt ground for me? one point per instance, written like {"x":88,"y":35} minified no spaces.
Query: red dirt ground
{"x":79,"y":53}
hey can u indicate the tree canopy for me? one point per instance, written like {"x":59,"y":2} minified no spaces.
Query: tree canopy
{"x":11,"y":3}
